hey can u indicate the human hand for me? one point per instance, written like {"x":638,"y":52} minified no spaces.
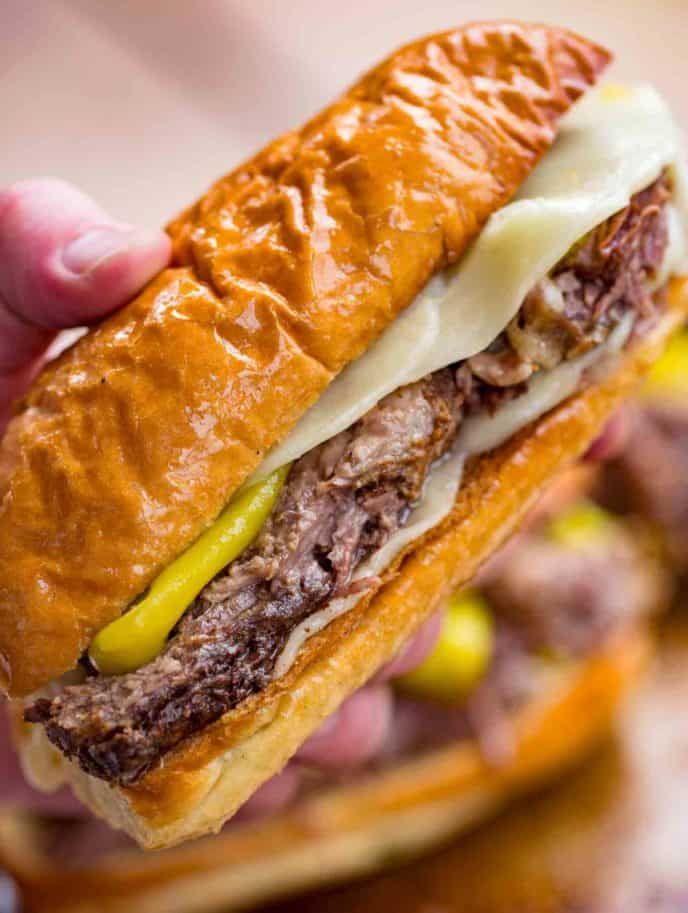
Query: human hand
{"x":63,"y":263}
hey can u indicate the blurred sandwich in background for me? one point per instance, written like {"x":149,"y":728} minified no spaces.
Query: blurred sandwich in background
{"x":648,"y":480}
{"x":528,"y":673}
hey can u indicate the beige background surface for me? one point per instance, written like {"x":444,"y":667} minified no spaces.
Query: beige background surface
{"x":144,"y":102}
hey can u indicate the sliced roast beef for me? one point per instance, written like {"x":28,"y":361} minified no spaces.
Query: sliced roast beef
{"x":341,"y":502}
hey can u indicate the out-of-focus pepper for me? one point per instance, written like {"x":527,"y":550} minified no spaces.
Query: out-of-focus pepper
{"x":669,"y":375}
{"x":461,"y":654}
{"x":583,"y":525}
{"x":139,"y":635}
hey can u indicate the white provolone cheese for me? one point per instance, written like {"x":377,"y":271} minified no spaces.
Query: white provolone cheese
{"x":613,"y":144}
{"x":438,"y":499}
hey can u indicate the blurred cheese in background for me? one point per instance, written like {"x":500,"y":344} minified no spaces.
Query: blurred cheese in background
{"x":144,"y":102}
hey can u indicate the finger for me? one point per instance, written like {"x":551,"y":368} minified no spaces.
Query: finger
{"x":354,"y":734}
{"x":272,"y":796}
{"x":14,"y":788}
{"x":612,"y":440}
{"x":12,"y":386}
{"x":63,"y":262}
{"x":418,"y":648}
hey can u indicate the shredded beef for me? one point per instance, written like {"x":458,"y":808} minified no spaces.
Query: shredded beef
{"x":342,"y":501}
{"x":601,"y":279}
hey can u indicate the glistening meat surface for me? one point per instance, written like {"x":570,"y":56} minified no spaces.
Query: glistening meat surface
{"x":342,"y":501}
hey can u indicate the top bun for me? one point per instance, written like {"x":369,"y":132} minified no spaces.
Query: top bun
{"x":286,"y":270}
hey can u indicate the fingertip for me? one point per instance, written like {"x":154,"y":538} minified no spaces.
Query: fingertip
{"x":415,"y":650}
{"x":273,"y":795}
{"x":64,"y":261}
{"x":355,"y":734}
{"x":106,"y":267}
{"x":611,"y":441}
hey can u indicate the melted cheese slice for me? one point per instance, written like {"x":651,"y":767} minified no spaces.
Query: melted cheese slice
{"x":613,"y":144}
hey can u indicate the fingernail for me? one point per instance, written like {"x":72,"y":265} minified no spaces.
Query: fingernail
{"x":85,"y":253}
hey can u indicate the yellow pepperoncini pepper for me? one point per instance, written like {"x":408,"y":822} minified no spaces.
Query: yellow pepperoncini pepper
{"x":461,"y":655}
{"x":139,"y":635}
{"x":669,"y":375}
{"x":584,"y":525}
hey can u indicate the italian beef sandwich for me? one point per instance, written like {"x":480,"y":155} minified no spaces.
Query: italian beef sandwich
{"x":228,"y":505}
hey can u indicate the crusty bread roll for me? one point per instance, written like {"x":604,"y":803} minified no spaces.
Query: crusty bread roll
{"x":286,"y":270}
{"x":205,"y":780}
{"x":367,"y":824}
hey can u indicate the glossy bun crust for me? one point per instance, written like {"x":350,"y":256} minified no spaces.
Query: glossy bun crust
{"x":204,"y":781}
{"x":286,"y":270}
{"x":366,"y":824}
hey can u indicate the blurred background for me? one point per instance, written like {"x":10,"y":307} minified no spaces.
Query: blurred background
{"x":142,"y":103}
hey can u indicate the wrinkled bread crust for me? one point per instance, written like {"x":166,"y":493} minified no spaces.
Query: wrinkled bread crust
{"x":286,"y":270}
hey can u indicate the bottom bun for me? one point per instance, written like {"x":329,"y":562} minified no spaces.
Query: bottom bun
{"x":371,"y":823}
{"x":203,"y":782}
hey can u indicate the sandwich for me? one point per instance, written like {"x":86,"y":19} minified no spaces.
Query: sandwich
{"x":657,"y":439}
{"x":526,"y":677}
{"x":228,"y":505}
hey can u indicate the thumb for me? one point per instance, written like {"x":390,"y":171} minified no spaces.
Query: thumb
{"x":63,"y":262}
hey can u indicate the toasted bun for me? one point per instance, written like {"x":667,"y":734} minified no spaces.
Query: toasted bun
{"x":205,"y":780}
{"x":368,"y":824}
{"x":287,"y":269}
